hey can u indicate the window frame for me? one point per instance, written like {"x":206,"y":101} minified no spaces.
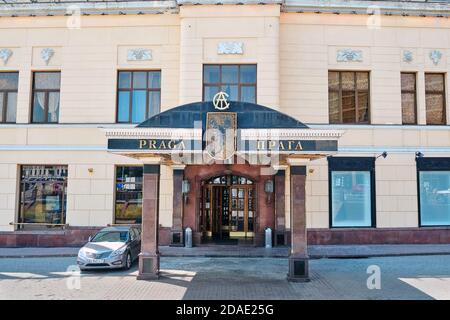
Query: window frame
{"x":64,"y":206}
{"x":46,"y":92}
{"x":443,"y":93}
{"x":363,"y":164}
{"x":115,"y":190}
{"x":410,"y":92}
{"x":238,"y":84}
{"x":429,"y":164}
{"x":131,"y":89}
{"x":5,"y":99}
{"x":356,"y":91}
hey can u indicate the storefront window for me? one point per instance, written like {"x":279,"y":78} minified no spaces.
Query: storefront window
{"x":434,"y":187}
{"x":352,"y":192}
{"x":351,"y":199}
{"x":43,"y":195}
{"x":239,"y":81}
{"x":128,"y":195}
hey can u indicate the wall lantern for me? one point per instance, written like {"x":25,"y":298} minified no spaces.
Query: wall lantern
{"x":384,"y":155}
{"x":268,"y":188}
{"x":185,"y":188}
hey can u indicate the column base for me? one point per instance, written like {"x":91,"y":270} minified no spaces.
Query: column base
{"x":148,"y":266}
{"x":298,"y":269}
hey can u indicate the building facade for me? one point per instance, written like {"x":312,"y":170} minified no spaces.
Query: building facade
{"x":351,"y":96}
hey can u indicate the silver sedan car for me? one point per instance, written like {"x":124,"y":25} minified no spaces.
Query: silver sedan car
{"x":112,"y":247}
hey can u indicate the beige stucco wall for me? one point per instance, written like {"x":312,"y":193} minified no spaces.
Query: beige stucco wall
{"x":257,"y":27}
{"x":308,"y":45}
{"x":293,"y":53}
{"x":89,"y":58}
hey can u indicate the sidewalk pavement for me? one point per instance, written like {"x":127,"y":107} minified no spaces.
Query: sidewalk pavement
{"x":315,"y":251}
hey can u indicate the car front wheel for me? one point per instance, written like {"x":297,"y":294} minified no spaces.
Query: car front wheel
{"x":128,"y":261}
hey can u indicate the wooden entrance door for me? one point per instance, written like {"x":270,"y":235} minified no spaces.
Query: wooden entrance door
{"x":227,"y":209}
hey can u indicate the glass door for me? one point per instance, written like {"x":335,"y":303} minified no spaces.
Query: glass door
{"x":227,"y":208}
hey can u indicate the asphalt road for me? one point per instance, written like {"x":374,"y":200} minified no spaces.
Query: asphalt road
{"x":414,"y":277}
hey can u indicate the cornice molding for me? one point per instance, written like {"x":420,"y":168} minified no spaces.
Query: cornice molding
{"x":154,"y":133}
{"x":66,"y":7}
{"x":286,"y":134}
{"x":386,"y":7}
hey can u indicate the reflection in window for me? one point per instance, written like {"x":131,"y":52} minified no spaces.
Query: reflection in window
{"x":435,"y":98}
{"x":408,"y":81}
{"x":128,"y":209}
{"x":46,"y":88}
{"x":351,"y":198}
{"x":43,"y":194}
{"x":434,"y":198}
{"x":138,"y":96}
{"x":9,"y":82}
{"x":239,"y":81}
{"x":348,"y":97}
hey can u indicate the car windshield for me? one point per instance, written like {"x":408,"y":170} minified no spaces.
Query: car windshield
{"x":111,"y":236}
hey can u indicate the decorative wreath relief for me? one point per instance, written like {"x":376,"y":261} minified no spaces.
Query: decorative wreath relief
{"x":47,"y":54}
{"x":435,"y":56}
{"x":5,"y":54}
{"x":407,"y":56}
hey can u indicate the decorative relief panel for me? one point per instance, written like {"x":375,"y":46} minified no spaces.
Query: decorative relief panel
{"x":435,"y":56}
{"x":349,"y":55}
{"x":408,"y":56}
{"x":139,"y":54}
{"x":230,"y":47}
{"x":5,"y":54}
{"x":47,"y":54}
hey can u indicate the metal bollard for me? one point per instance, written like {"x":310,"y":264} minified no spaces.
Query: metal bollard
{"x":268,"y":234}
{"x":188,"y":238}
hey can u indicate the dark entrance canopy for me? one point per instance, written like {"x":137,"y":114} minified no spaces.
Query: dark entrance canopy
{"x":249,"y":116}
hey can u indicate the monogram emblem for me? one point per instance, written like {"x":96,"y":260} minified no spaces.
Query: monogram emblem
{"x":220,"y":101}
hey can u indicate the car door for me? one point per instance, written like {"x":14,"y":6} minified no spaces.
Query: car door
{"x":135,"y":243}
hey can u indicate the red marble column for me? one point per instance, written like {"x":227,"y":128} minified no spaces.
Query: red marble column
{"x":149,"y":256}
{"x":280,"y":214}
{"x":298,"y":258}
{"x":177,"y":215}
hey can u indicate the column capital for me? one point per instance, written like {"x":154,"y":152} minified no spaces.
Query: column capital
{"x":151,"y":160}
{"x":280,"y":167}
{"x":152,"y":169}
{"x":298,"y":161}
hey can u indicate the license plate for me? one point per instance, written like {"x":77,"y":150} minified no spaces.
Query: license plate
{"x":96,"y":261}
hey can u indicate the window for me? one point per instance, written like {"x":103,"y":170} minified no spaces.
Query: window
{"x":434,"y":191}
{"x":239,"y":81}
{"x":8,"y":96}
{"x":435,"y":98}
{"x":46,"y":86}
{"x":409,"y":114}
{"x":138,"y":95}
{"x":43,"y":194}
{"x":128,"y":195}
{"x":348,"y":97}
{"x":352,"y":191}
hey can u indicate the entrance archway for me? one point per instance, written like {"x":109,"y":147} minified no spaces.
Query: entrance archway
{"x":227,"y":210}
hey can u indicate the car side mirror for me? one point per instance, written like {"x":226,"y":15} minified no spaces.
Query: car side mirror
{"x":90,"y":239}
